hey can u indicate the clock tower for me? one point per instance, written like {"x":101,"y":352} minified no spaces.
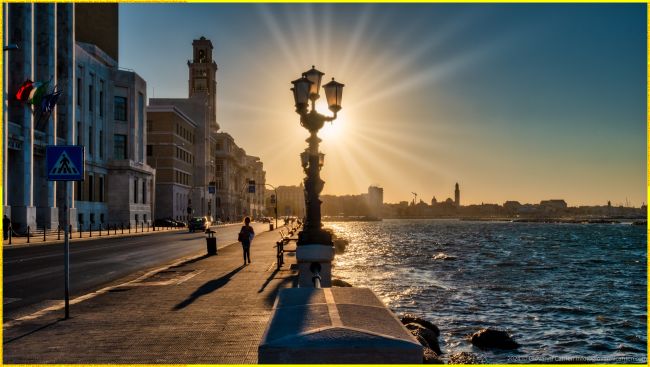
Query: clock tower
{"x":202,"y":73}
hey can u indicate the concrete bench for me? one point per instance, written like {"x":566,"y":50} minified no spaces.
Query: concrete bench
{"x":336,"y":326}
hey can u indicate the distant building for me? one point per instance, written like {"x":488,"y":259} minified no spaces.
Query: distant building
{"x":290,"y":200}
{"x":457,"y":196}
{"x":375,"y":201}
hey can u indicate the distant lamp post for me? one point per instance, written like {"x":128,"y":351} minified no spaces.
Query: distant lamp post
{"x":306,"y":89}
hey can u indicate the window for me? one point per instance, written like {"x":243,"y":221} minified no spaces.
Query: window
{"x":144,"y":191}
{"x":91,"y":140}
{"x":219,"y":183}
{"x":78,"y":133}
{"x":80,"y":218}
{"x":101,"y":143}
{"x":90,"y":97}
{"x":149,"y":150}
{"x":101,"y":191}
{"x":101,"y":217}
{"x":141,"y":127}
{"x":135,"y":191}
{"x":92,"y":218}
{"x":120,"y":108}
{"x":119,"y":147}
{"x":91,"y":186}
{"x":101,"y":98}
{"x":219,"y":166}
{"x":149,"y":125}
{"x":79,"y":92}
{"x":78,"y":190}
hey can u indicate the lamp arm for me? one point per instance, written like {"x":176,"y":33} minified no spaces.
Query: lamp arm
{"x":326,"y":118}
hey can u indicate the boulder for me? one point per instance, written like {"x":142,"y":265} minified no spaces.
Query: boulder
{"x":428,"y":335}
{"x":493,"y":339}
{"x":465,"y":358}
{"x":340,"y":283}
{"x":430,"y":357}
{"x":410,"y":318}
{"x":340,"y":245}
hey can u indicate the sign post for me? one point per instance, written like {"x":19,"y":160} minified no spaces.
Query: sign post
{"x":65,"y":163}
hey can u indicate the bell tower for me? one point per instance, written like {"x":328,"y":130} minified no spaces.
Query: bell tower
{"x":203,"y":72}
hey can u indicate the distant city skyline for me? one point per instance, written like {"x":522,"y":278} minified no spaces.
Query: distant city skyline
{"x":524,"y":102}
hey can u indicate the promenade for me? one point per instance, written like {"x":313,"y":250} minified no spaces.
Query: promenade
{"x":198,"y":310}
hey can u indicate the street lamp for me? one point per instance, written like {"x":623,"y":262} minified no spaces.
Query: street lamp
{"x":305,"y":89}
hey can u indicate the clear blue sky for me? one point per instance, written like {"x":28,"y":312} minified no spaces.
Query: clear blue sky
{"x":515,"y":102}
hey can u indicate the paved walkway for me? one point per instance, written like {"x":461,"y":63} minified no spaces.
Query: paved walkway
{"x":207,"y":310}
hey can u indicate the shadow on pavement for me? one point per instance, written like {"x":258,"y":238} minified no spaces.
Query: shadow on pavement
{"x":207,"y":288}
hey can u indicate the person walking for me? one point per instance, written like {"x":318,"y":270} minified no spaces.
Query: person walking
{"x":246,"y":235}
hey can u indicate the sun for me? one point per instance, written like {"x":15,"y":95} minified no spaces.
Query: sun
{"x":333,"y":130}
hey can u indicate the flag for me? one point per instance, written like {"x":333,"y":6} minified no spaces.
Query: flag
{"x":24,"y":90}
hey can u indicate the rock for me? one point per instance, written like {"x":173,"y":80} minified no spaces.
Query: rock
{"x":430,"y":357}
{"x":465,"y":358}
{"x":492,"y":338}
{"x":410,"y":318}
{"x":340,"y":245}
{"x":428,"y":335}
{"x":340,"y":283}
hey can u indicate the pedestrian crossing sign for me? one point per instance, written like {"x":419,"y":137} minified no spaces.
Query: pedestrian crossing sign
{"x":65,"y":162}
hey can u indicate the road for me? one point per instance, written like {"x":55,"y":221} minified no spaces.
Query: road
{"x":34,"y":279}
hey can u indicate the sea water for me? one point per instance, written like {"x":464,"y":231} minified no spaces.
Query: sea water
{"x":562,"y":290}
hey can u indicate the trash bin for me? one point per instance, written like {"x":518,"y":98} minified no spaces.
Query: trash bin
{"x":270,"y":226}
{"x":211,"y":242}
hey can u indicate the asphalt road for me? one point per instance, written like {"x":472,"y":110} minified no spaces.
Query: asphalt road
{"x":34,"y":279}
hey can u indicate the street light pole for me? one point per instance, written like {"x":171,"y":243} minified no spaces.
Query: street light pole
{"x":304,"y":89}
{"x":276,"y":203}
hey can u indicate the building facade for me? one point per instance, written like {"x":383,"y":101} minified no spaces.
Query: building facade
{"x":170,"y":136}
{"x":49,"y":52}
{"x":221,"y":169}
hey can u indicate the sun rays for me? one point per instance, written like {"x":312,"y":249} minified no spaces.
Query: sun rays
{"x":375,"y":139}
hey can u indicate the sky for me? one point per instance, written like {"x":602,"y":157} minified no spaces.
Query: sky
{"x":522,"y":102}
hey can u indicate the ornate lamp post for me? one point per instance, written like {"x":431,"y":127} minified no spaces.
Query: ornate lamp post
{"x":306,"y":89}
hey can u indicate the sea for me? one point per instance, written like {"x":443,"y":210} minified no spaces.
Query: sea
{"x":565,"y":292}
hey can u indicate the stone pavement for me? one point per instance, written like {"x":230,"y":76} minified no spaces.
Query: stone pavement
{"x":209,"y":310}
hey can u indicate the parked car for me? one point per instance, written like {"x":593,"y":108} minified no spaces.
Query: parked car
{"x":200,"y":223}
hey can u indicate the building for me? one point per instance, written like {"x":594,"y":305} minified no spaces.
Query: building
{"x":170,"y":150}
{"x":218,"y":162}
{"x":290,"y":201}
{"x":101,"y":108}
{"x":375,"y":201}
{"x":457,"y":196}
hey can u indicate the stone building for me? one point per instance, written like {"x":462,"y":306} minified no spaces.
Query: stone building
{"x":170,"y":151}
{"x":218,"y":161}
{"x":290,"y":201}
{"x":101,"y":108}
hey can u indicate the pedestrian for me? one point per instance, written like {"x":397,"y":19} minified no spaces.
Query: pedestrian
{"x":6,"y":224}
{"x":246,"y":235}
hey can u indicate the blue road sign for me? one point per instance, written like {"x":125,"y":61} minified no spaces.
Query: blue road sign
{"x":65,"y":162}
